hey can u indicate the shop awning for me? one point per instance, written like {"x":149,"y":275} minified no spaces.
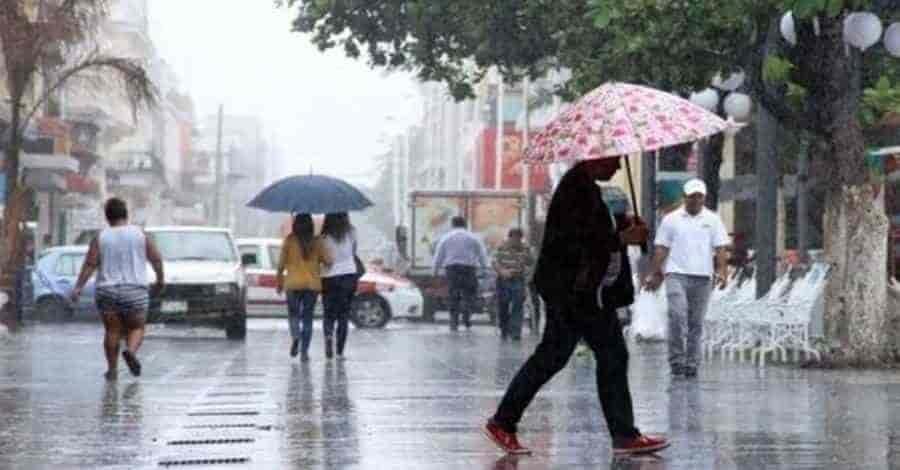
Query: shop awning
{"x":48,"y":161}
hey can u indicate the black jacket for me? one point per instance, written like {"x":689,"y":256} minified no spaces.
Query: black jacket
{"x":579,"y":237}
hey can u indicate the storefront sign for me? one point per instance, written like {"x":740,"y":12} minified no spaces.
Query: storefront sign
{"x":511,"y":160}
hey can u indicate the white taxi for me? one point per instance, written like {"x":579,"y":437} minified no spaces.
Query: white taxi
{"x":380,"y":295}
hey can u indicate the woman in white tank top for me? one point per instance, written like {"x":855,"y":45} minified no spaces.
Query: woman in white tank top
{"x":119,"y":255}
{"x":339,"y":280}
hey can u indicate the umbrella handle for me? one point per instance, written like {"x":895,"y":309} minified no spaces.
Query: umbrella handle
{"x":644,"y":248}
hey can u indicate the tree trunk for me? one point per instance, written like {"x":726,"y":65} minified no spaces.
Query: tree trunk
{"x":766,"y":201}
{"x":855,"y":228}
{"x":856,"y":314}
{"x":893,"y":321}
{"x":12,"y":257}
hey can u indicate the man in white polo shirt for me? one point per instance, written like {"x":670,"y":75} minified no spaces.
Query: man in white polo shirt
{"x":686,"y":242}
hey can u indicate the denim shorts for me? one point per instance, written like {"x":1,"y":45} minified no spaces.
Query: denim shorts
{"x":123,"y":299}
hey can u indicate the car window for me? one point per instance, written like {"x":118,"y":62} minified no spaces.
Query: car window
{"x":248,"y":251}
{"x":194,"y":246}
{"x":69,"y":265}
{"x":274,"y":255}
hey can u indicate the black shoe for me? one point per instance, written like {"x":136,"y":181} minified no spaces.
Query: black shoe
{"x":295,"y":347}
{"x":304,"y":356}
{"x":677,"y":371}
{"x":329,"y":348}
{"x":133,"y":364}
{"x":689,"y":372}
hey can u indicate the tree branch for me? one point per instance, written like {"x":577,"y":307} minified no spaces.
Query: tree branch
{"x":137,"y":84}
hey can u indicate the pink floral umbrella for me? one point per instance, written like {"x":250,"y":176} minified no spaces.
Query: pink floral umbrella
{"x":619,"y":119}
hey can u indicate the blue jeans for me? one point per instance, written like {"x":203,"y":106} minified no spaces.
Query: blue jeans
{"x":301,"y":304}
{"x":510,"y":297}
{"x":337,"y":296}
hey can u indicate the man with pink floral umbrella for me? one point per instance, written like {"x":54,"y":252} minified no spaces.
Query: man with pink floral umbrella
{"x":583,"y":275}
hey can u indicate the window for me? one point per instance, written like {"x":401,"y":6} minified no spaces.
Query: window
{"x":69,"y":265}
{"x":250,"y":256}
{"x":195,"y":246}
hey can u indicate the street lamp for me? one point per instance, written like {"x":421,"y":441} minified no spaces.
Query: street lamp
{"x":707,"y":99}
{"x":892,"y":39}
{"x":788,"y":32}
{"x":862,"y":29}
{"x":738,"y":106}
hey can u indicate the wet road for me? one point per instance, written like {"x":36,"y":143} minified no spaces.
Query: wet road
{"x":411,"y":396}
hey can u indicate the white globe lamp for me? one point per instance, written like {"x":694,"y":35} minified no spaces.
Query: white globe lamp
{"x":892,"y":39}
{"x":733,"y":82}
{"x":707,"y":99}
{"x":862,"y":30}
{"x":787,"y":29}
{"x":738,"y":106}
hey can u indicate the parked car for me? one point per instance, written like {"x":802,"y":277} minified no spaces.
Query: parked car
{"x":53,"y":279}
{"x":380,"y":296}
{"x":205,"y":282}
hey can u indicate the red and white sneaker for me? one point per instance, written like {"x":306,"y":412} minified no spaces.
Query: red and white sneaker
{"x":640,"y":445}
{"x":506,"y":441}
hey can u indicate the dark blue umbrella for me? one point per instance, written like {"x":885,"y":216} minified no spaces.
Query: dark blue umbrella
{"x":311,"y":194}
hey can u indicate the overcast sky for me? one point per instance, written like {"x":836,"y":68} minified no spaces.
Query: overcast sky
{"x":324,"y":111}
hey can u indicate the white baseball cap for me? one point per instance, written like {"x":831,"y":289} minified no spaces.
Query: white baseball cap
{"x":695,"y":186}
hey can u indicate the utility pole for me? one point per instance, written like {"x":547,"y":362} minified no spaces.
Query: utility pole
{"x":220,"y":170}
{"x":526,"y":169}
{"x":498,"y":142}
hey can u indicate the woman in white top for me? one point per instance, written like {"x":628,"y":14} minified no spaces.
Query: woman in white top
{"x":120,"y":255}
{"x":338,"y":281}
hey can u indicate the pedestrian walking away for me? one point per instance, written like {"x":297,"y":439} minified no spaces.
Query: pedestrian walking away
{"x":119,"y":255}
{"x":687,"y":241}
{"x":583,"y":275}
{"x":460,"y":254}
{"x":299,"y":274}
{"x":339,"y":280}
{"x":513,"y":262}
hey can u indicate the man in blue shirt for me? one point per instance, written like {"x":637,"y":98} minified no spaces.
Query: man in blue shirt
{"x":460,"y":254}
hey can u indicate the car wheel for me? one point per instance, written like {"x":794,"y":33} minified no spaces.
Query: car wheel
{"x":428,"y":308}
{"x":370,"y":311}
{"x":52,"y":309}
{"x":236,"y":327}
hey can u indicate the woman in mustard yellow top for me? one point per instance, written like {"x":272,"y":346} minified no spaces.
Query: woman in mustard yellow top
{"x":302,"y":255}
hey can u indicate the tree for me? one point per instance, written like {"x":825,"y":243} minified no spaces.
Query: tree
{"x":45,"y":46}
{"x":815,"y":87}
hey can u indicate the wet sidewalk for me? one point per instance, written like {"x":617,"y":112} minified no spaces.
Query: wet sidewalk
{"x":412,"y":396}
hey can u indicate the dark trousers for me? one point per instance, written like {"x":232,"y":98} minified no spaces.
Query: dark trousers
{"x":566,"y":325}
{"x":337,"y":298}
{"x":301,"y":305}
{"x":535,"y":308}
{"x":463,"y":281}
{"x":510,"y":300}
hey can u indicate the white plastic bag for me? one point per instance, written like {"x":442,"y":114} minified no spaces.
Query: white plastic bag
{"x":650,"y":316}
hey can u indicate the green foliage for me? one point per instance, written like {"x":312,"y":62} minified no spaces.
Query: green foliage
{"x":677,"y":45}
{"x":776,"y":69}
{"x":880,"y":100}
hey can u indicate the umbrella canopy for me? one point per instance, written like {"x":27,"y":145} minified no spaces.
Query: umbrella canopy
{"x":311,"y":194}
{"x":619,"y":119}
